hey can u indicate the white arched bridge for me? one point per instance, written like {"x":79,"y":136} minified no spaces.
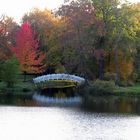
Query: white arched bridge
{"x":58,"y":81}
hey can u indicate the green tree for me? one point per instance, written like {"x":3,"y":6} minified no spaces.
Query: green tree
{"x":120,"y":26}
{"x":10,"y":72}
{"x":137,"y":54}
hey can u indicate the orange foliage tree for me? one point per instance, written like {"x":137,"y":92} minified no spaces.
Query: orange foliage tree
{"x":27,"y":51}
{"x":125,"y":65}
{"x":7,"y":26}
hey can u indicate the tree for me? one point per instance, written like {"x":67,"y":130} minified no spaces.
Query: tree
{"x":47,"y":29}
{"x":78,"y":16}
{"x":125,"y":61}
{"x":10,"y":72}
{"x":119,"y":27}
{"x":27,"y":51}
{"x":137,"y":44}
{"x":43,"y":26}
{"x":7,"y":26}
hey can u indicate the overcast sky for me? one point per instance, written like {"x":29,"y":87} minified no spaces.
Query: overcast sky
{"x":16,"y":8}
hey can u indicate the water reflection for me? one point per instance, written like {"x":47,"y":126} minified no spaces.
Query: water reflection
{"x":63,"y":101}
{"x":65,"y":124}
{"x":18,"y":100}
{"x":123,"y":104}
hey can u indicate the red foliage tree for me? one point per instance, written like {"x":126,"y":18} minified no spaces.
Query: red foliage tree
{"x":27,"y":51}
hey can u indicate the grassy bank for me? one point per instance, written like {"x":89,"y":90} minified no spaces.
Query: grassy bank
{"x":102,"y":88}
{"x":128,"y":90}
{"x":20,"y":87}
{"x":101,"y":98}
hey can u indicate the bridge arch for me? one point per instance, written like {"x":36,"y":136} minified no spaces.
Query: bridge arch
{"x":58,"y":81}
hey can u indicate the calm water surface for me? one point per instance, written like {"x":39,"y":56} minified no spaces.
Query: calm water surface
{"x":65,"y":123}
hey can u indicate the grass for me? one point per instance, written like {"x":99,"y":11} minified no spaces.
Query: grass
{"x":129,"y":90}
{"x":28,"y":87}
{"x":20,"y":87}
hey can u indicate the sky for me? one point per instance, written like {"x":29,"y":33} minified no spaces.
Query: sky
{"x":134,"y":0}
{"x":17,"y":8}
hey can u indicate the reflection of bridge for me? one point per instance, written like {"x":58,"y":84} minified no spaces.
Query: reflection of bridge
{"x":58,"y":81}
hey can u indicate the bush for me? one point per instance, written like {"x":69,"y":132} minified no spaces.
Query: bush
{"x":130,"y":83}
{"x":60,"y":69}
{"x":123,"y":83}
{"x":101,"y":87}
{"x":134,"y":77}
{"x":126,"y":83}
{"x":109,"y":76}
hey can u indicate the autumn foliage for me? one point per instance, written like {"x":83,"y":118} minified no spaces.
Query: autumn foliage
{"x":125,"y":65}
{"x":27,"y":51}
{"x":94,"y":39}
{"x":6,"y":25}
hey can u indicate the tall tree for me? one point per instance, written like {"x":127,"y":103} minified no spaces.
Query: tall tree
{"x":27,"y":51}
{"x":137,"y":56}
{"x":78,"y":16}
{"x":47,"y":29}
{"x":7,"y":36}
{"x":43,"y":25}
{"x":119,"y":27}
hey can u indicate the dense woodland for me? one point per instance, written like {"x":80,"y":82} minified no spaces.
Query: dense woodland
{"x":97,"y":39}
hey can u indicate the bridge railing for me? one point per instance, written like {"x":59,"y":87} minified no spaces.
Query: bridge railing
{"x":49,"y":77}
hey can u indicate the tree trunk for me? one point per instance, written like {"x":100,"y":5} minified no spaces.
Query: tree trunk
{"x":24,"y":77}
{"x":117,"y":80}
{"x":80,"y":51}
{"x":101,"y":68}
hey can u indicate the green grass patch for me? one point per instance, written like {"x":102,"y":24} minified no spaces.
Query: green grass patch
{"x":20,"y":87}
{"x":128,"y":90}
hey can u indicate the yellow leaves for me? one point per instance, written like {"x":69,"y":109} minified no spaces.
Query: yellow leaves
{"x":125,"y":65}
{"x":126,"y":68}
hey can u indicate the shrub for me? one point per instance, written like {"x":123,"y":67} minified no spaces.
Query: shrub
{"x":126,"y":83}
{"x":60,"y":69}
{"x":101,"y":87}
{"x":123,"y":83}
{"x":134,"y":77}
{"x":109,"y":76}
{"x":130,"y":83}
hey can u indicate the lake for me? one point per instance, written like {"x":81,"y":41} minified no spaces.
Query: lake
{"x":65,"y":123}
{"x":26,"y":118}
